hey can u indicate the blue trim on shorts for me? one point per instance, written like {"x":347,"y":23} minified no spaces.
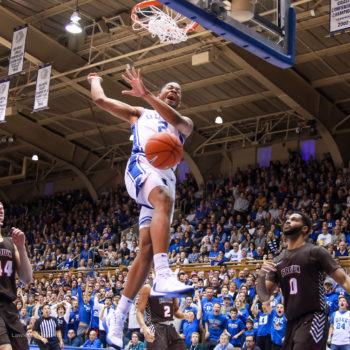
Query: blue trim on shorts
{"x":146,"y":218}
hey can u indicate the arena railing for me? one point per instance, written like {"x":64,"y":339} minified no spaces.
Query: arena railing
{"x":187,"y":268}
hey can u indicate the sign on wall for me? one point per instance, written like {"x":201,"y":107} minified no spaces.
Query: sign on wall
{"x":339,"y":17}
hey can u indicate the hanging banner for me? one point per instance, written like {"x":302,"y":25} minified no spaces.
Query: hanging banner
{"x":4,"y":90}
{"x":339,"y":17}
{"x":42,"y":88}
{"x":17,"y":50}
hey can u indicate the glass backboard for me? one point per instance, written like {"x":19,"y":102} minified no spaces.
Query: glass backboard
{"x":266,"y":28}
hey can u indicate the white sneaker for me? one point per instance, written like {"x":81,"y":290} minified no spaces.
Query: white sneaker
{"x":115,"y":325}
{"x":167,"y":285}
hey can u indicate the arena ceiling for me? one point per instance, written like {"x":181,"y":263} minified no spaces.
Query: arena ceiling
{"x":259,"y":103}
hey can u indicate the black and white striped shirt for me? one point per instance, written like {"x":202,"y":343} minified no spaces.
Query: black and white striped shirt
{"x":46,"y":327}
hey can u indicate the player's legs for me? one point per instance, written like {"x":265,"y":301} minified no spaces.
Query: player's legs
{"x":160,"y":339}
{"x":136,"y":278}
{"x":10,"y":339}
{"x":309,"y":332}
{"x":176,"y":343}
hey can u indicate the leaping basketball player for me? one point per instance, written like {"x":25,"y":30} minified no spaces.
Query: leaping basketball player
{"x":13,"y":259}
{"x":299,"y":270}
{"x":152,"y":188}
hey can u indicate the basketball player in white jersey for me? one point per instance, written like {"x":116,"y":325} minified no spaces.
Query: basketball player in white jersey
{"x":152,"y":188}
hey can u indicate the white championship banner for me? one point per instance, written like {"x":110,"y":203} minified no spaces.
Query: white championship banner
{"x":4,"y":90}
{"x":42,"y":88}
{"x":17,"y":50}
{"x":339,"y":17}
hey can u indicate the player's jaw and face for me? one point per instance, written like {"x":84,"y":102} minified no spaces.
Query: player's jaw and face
{"x":293,"y":225}
{"x":171,"y":94}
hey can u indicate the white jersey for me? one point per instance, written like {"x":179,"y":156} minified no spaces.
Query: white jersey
{"x":149,"y":123}
{"x":140,"y":176}
{"x":341,"y":327}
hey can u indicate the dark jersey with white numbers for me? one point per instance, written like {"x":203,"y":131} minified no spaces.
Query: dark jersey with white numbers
{"x":8,"y":268}
{"x":159,"y":310}
{"x":300,"y":274}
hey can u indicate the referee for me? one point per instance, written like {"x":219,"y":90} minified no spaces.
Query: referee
{"x":47,"y":331}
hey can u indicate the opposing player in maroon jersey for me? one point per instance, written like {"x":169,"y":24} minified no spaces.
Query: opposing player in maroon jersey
{"x":157,"y":327}
{"x":13,"y":259}
{"x":299,"y":271}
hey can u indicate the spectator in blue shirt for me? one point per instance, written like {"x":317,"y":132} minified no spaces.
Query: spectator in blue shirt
{"x":342,"y":250}
{"x":85,"y":253}
{"x":235,"y":327}
{"x":74,"y":317}
{"x":224,"y":343}
{"x":215,"y":325}
{"x":93,"y":341}
{"x":191,"y":324}
{"x":72,"y":339}
{"x":330,"y":295}
{"x":278,"y":327}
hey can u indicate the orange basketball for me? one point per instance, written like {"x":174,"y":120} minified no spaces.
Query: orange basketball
{"x":163,"y":150}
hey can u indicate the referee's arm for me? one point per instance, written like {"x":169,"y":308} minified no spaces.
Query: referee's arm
{"x":36,"y":335}
{"x":59,"y":336}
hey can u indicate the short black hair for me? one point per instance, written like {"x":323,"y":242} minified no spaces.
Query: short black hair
{"x":306,"y":220}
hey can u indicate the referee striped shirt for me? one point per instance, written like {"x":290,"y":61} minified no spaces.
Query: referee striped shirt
{"x":46,"y":327}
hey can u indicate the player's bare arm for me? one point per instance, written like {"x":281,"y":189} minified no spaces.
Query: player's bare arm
{"x":140,"y":315}
{"x":342,"y":279}
{"x":24,"y":269}
{"x":183,"y":124}
{"x":265,"y":287}
{"x":117,"y":108}
{"x":177,"y":313}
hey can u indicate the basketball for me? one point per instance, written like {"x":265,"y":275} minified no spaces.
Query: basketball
{"x":163,"y":150}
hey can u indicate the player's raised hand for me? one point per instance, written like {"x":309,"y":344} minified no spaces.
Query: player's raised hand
{"x":93,"y":76}
{"x":18,"y":237}
{"x":133,"y":78}
{"x":2,"y":214}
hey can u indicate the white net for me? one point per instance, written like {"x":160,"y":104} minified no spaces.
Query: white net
{"x":164,"y":24}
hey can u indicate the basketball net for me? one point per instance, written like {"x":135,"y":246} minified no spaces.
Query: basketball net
{"x":163,"y":24}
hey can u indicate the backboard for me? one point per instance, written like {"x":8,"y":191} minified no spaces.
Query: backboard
{"x":266,"y":28}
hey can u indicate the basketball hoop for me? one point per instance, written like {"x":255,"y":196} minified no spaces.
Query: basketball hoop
{"x":164,"y":24}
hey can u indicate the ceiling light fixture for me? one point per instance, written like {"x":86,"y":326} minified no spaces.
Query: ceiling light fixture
{"x":35,"y":157}
{"x":131,"y":138}
{"x":74,"y":27}
{"x":218,"y":119}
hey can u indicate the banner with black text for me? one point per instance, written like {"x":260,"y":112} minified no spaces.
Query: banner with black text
{"x":42,"y":88}
{"x":4,"y":90}
{"x":339,"y":17}
{"x":17,"y":50}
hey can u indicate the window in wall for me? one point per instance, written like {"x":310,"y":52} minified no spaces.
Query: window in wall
{"x":49,"y":189}
{"x":307,"y":149}
{"x":182,"y":169}
{"x":264,"y":156}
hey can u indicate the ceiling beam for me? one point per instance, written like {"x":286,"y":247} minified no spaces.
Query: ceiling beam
{"x":297,"y":94}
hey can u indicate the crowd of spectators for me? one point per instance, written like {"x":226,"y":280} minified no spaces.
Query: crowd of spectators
{"x":227,"y":219}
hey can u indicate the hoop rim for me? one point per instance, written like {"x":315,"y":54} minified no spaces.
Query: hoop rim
{"x":146,"y":3}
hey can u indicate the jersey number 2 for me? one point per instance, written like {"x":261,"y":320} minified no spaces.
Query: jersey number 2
{"x":167,"y":311}
{"x":293,"y":286}
{"x":162,"y":125}
{"x":7,"y":269}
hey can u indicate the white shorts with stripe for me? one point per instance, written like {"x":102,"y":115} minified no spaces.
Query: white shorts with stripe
{"x":140,"y":179}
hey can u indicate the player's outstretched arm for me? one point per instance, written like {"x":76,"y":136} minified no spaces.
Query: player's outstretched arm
{"x":24,"y":269}
{"x":140,"y":315}
{"x":117,"y":108}
{"x":342,"y":279}
{"x":181,"y":123}
{"x":264,"y":286}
